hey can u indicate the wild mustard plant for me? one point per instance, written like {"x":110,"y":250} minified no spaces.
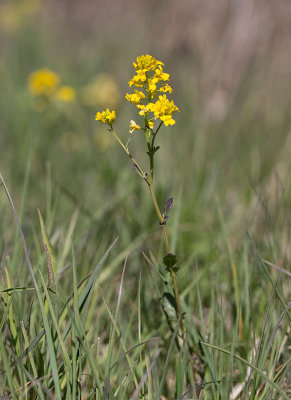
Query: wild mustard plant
{"x":156,"y":110}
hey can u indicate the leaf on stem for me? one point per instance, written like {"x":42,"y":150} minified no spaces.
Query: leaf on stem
{"x":170,"y":260}
{"x":137,"y":170}
{"x":167,"y":208}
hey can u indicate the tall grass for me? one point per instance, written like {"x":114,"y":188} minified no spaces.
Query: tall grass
{"x":108,"y":329}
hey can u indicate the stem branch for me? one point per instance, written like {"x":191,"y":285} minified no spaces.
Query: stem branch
{"x":130,"y":156}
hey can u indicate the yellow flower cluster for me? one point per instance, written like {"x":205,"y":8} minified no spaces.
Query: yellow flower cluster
{"x":163,"y":109}
{"x":151,"y":78}
{"x":136,"y":97}
{"x":149,"y":74}
{"x":45,"y":82}
{"x":106,"y":117}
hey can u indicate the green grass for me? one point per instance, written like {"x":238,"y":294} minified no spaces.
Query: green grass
{"x":109,"y":330}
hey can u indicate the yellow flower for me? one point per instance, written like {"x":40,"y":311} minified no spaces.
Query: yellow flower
{"x":139,"y":79}
{"x":145,"y":108}
{"x":151,"y":124}
{"x":160,"y":75}
{"x":166,"y":88}
{"x":106,"y":117}
{"x":136,"y":97}
{"x":43,"y":81}
{"x":163,"y":110}
{"x":152,"y":88}
{"x":151,"y":77}
{"x":133,"y":127}
{"x":147,"y":63}
{"x":66,"y":94}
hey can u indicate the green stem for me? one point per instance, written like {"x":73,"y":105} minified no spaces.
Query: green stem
{"x":130,"y":156}
{"x":172,"y":272}
{"x":159,"y":214}
{"x":157,"y":208}
{"x":151,"y":155}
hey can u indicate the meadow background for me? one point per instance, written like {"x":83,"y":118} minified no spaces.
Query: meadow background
{"x":226,"y":162}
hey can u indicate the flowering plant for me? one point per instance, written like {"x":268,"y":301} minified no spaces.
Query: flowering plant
{"x":156,"y":109}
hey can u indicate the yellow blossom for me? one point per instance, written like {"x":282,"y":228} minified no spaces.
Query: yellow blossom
{"x":139,"y":79}
{"x":66,"y":94}
{"x":145,"y":108}
{"x":106,"y":117}
{"x":163,"y":110}
{"x":133,"y":127}
{"x":151,"y":124}
{"x":136,"y":97}
{"x":151,"y":77}
{"x":147,"y":62}
{"x":152,"y":88}
{"x":160,"y":75}
{"x":166,"y":88}
{"x":43,"y":81}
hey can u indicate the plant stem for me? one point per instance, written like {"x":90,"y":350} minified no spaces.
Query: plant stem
{"x":172,"y":272}
{"x":157,"y":208}
{"x":130,"y":156}
{"x":159,"y":214}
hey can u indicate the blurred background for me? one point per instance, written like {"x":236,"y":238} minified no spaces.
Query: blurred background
{"x":226,"y":159}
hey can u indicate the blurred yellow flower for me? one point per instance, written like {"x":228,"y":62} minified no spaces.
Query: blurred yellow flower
{"x":66,"y":94}
{"x":43,"y":81}
{"x":14,"y":14}
{"x":102,"y":91}
{"x":44,"y":85}
{"x":106,"y":117}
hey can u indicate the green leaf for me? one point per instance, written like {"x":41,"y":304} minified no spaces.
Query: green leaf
{"x":170,"y":260}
